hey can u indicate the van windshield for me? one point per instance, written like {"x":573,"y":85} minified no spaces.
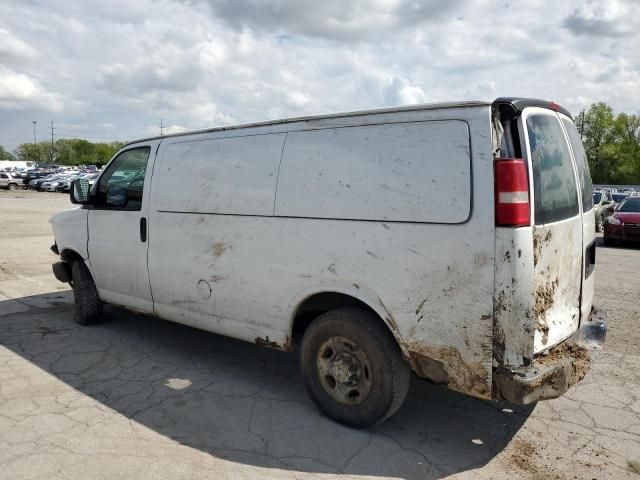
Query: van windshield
{"x":554,"y":181}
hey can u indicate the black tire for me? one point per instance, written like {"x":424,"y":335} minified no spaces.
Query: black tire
{"x":384,"y":388}
{"x":607,"y":241}
{"x":88,"y":306}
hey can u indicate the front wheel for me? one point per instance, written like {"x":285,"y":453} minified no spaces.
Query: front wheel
{"x":13,"y":186}
{"x":352,"y":367}
{"x":88,"y":307}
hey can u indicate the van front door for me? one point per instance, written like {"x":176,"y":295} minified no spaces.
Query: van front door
{"x":118,"y":230}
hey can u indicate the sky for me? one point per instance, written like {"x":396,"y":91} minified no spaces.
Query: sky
{"x":111,"y":70}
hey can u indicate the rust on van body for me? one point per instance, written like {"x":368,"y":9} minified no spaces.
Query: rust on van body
{"x":445,"y":366}
{"x":265,"y":342}
{"x":389,"y":319}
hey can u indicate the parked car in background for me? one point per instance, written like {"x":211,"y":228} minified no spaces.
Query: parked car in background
{"x":602,"y":202}
{"x":32,"y":175}
{"x":91,"y":178}
{"x":64,"y":184}
{"x":8,"y":181}
{"x":37,"y":183}
{"x":51,"y":184}
{"x":619,"y":197}
{"x":624,"y":224}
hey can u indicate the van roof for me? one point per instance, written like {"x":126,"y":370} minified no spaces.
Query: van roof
{"x":516,"y":105}
{"x":406,"y":108}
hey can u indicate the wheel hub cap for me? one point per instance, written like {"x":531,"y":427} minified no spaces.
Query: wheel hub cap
{"x":344,"y":370}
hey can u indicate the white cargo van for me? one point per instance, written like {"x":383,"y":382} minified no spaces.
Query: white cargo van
{"x":455,"y":241}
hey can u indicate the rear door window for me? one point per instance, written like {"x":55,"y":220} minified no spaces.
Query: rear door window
{"x":581,"y":163}
{"x":554,"y":182}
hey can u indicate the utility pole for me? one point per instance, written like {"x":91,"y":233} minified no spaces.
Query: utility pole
{"x":161,"y":128}
{"x":51,"y":154}
{"x":35,"y":144}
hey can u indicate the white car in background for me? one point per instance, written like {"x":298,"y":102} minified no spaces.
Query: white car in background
{"x":51,"y":184}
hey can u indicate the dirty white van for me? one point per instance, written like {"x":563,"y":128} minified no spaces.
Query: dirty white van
{"x":454,"y":241}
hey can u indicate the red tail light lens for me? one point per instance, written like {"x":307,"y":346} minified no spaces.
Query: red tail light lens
{"x":512,"y":193}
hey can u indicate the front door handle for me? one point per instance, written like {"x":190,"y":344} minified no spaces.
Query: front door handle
{"x":143,"y":229}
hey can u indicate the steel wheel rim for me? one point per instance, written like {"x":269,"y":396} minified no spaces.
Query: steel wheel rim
{"x":344,"y":370}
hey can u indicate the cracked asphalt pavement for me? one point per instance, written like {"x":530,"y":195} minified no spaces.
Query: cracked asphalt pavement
{"x":137,"y":397}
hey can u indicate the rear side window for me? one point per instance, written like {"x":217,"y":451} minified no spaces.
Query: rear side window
{"x":581,"y":163}
{"x":554,"y":182}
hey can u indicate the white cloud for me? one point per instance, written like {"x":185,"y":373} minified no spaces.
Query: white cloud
{"x":400,"y":91}
{"x":332,"y":19}
{"x":13,"y":48}
{"x":19,"y":92}
{"x":612,"y":18}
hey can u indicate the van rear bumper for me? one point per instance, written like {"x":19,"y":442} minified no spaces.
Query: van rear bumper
{"x":551,"y":375}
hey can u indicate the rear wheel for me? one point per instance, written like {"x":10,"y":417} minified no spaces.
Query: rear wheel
{"x":88,"y":305}
{"x":13,"y":186}
{"x":352,"y":367}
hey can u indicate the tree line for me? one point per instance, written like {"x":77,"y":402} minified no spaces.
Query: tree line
{"x":64,"y":151}
{"x":612,"y":144}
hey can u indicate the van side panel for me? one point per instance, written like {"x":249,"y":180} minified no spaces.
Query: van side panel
{"x":432,"y":283}
{"x":414,"y":172}
{"x":222,"y":175}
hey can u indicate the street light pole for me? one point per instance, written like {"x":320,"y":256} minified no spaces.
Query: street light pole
{"x":35,"y":145}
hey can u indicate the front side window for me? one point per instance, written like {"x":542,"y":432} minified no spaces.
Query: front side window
{"x":596,"y":198}
{"x":554,"y":182}
{"x":122,"y":183}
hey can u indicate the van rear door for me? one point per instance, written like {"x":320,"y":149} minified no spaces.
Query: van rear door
{"x":557,"y":227}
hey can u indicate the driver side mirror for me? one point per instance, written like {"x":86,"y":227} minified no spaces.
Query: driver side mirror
{"x":79,"y":191}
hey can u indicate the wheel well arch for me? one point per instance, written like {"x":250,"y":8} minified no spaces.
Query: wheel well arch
{"x":69,"y":255}
{"x":321,"y":302}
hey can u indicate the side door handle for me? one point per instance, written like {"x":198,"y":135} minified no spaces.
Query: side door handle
{"x":143,"y":229}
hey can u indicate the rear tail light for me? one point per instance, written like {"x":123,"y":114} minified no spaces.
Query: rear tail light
{"x":512,"y":193}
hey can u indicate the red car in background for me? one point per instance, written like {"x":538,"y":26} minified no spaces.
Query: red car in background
{"x":624,"y":223}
